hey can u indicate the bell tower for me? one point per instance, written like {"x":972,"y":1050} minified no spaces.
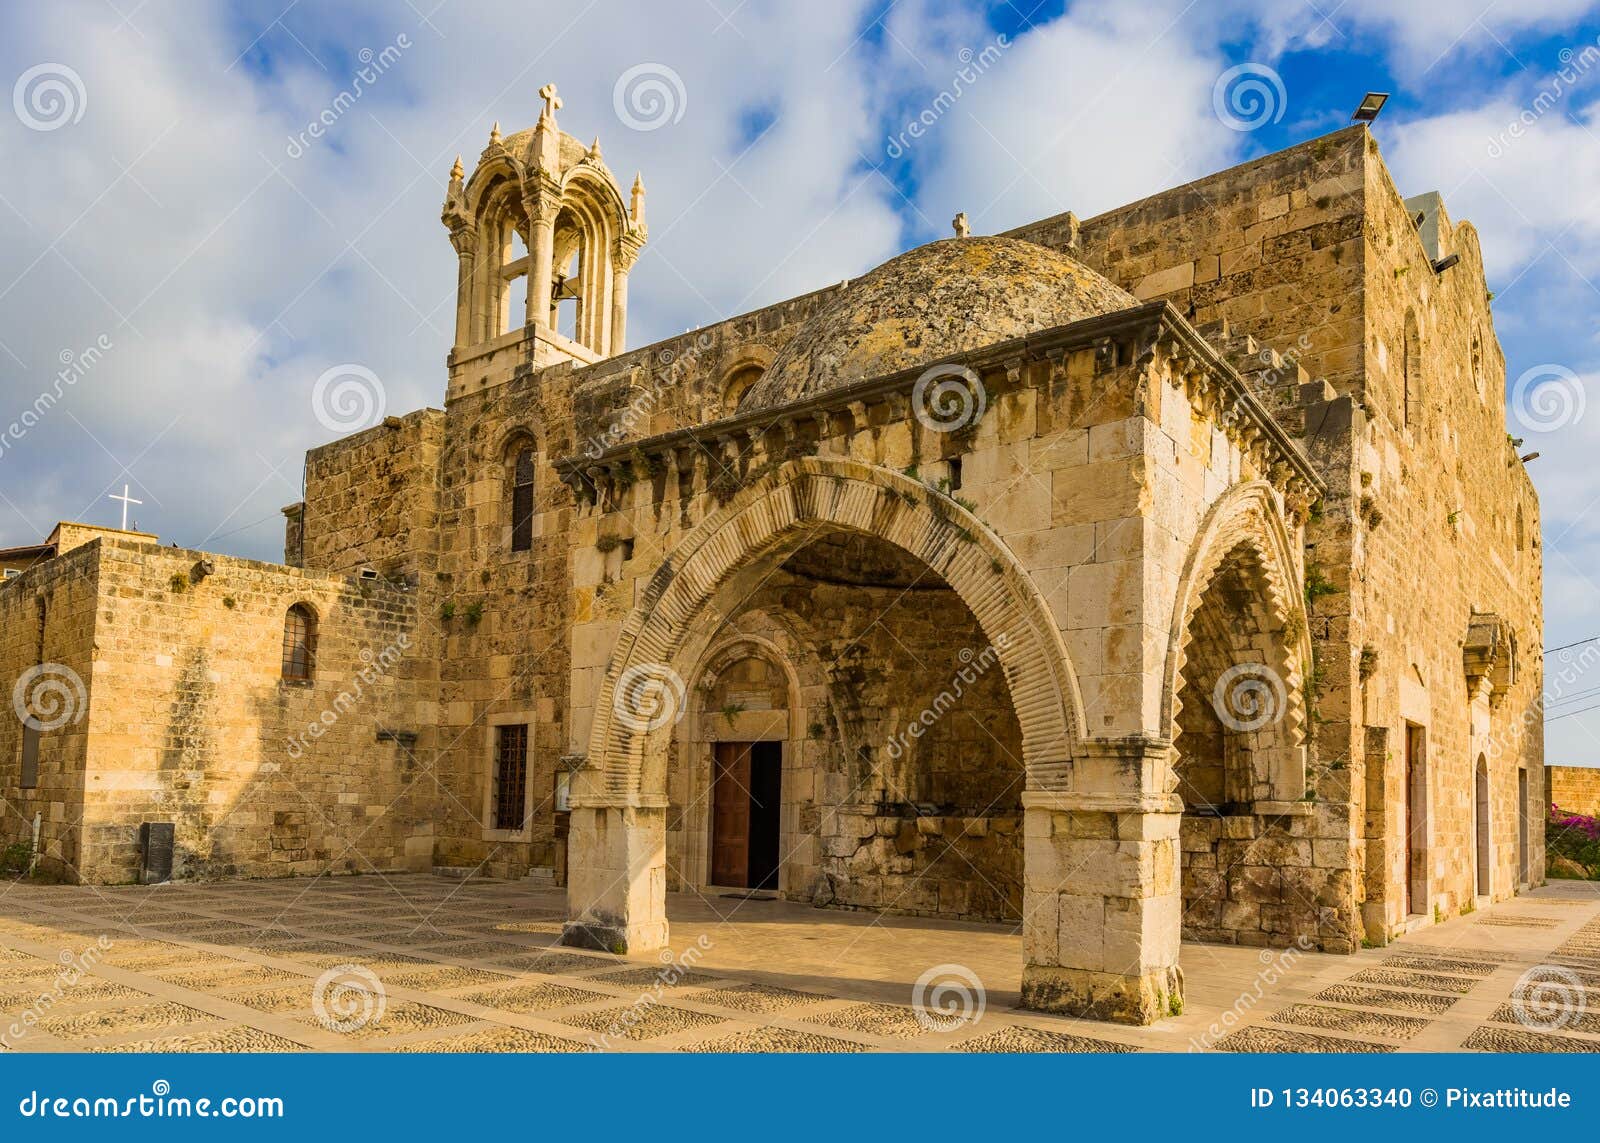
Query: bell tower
{"x":542,"y":209}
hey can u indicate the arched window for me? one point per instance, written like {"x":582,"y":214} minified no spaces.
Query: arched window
{"x":737,"y":385}
{"x":1413,"y":370}
{"x":299,"y":643}
{"x":521,"y":466}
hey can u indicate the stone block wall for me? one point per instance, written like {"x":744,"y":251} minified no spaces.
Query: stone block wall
{"x":372,"y":499}
{"x":47,"y":623}
{"x":1439,"y":486}
{"x":192,"y":722}
{"x":1575,"y":789}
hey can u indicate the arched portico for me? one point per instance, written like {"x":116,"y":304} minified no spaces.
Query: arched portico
{"x":1099,"y":898}
{"x":1234,"y":697}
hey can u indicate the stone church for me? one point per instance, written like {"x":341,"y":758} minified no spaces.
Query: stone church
{"x":1162,"y":576}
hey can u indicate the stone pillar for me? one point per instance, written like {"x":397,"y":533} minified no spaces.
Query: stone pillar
{"x":462,"y":240}
{"x":625,"y":251}
{"x":1101,"y":905}
{"x":619,"y":307}
{"x":542,"y":206}
{"x":617,"y":878}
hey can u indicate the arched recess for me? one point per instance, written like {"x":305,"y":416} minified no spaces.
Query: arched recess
{"x":731,"y":548}
{"x":739,"y":376}
{"x":1244,"y":535}
{"x":724,"y":667}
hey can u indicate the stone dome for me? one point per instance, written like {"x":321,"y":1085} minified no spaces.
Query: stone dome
{"x":930,"y":303}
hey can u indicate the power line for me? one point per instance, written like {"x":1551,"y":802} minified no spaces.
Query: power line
{"x":1569,"y":646}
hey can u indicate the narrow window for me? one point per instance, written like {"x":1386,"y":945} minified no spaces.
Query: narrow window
{"x":299,"y":643}
{"x":1413,"y":371}
{"x":522,"y":501}
{"x":510,"y":775}
{"x":30,"y":754}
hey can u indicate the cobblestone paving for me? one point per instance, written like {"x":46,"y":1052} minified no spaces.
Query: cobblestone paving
{"x":422,"y":964}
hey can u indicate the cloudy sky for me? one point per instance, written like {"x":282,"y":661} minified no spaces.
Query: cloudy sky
{"x":171,"y":238}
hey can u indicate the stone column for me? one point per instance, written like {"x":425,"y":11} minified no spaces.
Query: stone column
{"x":623,"y":256}
{"x":542,"y":205}
{"x":617,"y":878}
{"x":1102,"y":905}
{"x":461,"y":239}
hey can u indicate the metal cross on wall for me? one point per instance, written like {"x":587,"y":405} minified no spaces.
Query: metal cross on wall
{"x":126,"y":500}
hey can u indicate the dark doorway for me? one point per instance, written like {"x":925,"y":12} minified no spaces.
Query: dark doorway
{"x":1522,"y":828}
{"x":1482,"y":801}
{"x":1416,"y":820}
{"x":746,"y":795}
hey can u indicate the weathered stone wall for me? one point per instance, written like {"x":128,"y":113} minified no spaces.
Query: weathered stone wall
{"x":1575,"y":789}
{"x":191,"y":721}
{"x":47,"y":620}
{"x":372,"y":499}
{"x":502,"y":616}
{"x":1313,"y":260}
{"x":1439,"y":488}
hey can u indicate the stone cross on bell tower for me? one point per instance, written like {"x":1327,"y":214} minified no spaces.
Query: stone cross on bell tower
{"x":552,"y":103}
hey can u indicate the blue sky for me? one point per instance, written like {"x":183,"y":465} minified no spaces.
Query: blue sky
{"x":161,"y":207}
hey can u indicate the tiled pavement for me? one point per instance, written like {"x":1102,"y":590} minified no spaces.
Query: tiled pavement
{"x":472,"y":966}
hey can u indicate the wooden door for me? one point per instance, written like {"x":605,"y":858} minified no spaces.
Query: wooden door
{"x":1411,"y":817}
{"x":730,"y":815}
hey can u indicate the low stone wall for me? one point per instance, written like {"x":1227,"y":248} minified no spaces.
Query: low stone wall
{"x":1575,"y":789}
{"x":960,"y":867}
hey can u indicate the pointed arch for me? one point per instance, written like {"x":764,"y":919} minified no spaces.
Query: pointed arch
{"x":1245,"y":538}
{"x":664,"y":635}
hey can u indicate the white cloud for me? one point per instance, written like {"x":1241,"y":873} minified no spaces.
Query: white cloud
{"x":1086,"y":113}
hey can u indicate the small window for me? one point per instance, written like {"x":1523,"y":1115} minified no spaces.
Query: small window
{"x":1477,"y":361}
{"x":30,"y":754}
{"x":1411,"y":396}
{"x":299,"y":644}
{"x":737,"y":385}
{"x":510,"y":775}
{"x":522,"y":500}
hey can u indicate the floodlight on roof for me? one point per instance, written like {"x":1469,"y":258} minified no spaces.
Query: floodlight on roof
{"x":1371,"y":104}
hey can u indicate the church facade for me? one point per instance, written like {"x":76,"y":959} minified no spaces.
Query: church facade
{"x":1165,"y":575}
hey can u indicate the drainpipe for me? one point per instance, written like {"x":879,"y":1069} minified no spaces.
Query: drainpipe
{"x":33,"y":861}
